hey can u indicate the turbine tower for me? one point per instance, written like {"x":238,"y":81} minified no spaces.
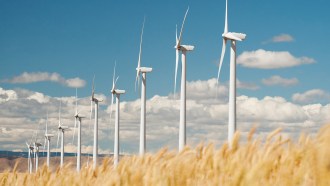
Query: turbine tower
{"x":184,"y":49}
{"x":233,"y":37}
{"x":116,"y":92}
{"x":61,"y":130}
{"x":47,"y":140}
{"x":96,"y":105}
{"x":79,"y":118}
{"x":143,"y":71}
{"x":30,"y":150}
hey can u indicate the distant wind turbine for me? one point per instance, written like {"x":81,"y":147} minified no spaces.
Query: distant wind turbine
{"x":144,"y":71}
{"x":47,"y":140}
{"x":30,"y":150}
{"x":61,"y":130}
{"x":79,"y":118}
{"x":183,"y":48}
{"x":117,"y":93}
{"x":233,"y":37}
{"x":96,"y":104}
{"x":36,"y":154}
{"x":36,"y":146}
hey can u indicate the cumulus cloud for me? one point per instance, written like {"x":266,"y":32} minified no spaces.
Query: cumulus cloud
{"x":6,"y":95}
{"x":34,"y":77}
{"x":39,"y":97}
{"x":278,"y":80}
{"x":263,"y":59}
{"x":282,"y":38}
{"x":207,"y":118}
{"x":311,"y":96}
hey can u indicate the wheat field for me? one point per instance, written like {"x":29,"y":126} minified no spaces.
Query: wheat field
{"x":269,"y":161}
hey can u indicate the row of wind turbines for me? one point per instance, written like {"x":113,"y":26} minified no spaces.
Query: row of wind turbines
{"x":142,"y":71}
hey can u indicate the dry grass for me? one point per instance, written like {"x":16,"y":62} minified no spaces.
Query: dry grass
{"x":275,"y":161}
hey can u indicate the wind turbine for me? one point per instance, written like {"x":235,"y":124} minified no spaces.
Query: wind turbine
{"x":30,"y":150}
{"x":184,"y":49}
{"x":47,"y":138}
{"x":233,"y":37}
{"x":96,"y":104}
{"x":143,"y":71}
{"x":61,"y":130}
{"x":78,"y":117}
{"x":36,"y":146}
{"x":116,"y":92}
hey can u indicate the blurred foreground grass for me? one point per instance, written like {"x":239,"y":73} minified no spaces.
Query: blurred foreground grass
{"x":271,"y":161}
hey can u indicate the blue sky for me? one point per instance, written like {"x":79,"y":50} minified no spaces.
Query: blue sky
{"x":77,"y":39}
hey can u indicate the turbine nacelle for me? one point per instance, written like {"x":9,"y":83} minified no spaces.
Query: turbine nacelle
{"x":63,"y":127}
{"x":36,"y":144}
{"x":234,"y":36}
{"x":186,"y":48}
{"x":78,"y":116}
{"x":96,"y":100}
{"x":144,"y":69}
{"x":49,"y":135}
{"x":117,"y":91}
{"x":29,"y":146}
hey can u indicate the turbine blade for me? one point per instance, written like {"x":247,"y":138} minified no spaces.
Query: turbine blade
{"x":184,"y":19}
{"x":116,"y":81}
{"x":141,"y":39}
{"x":59,"y":114}
{"x":46,"y":123}
{"x":176,"y":35}
{"x":111,"y":107}
{"x":58,"y":139}
{"x":93,"y":88}
{"x":176,"y":68}
{"x":222,"y":56}
{"x":74,"y":129}
{"x":90,"y":116}
{"x":44,"y":146}
{"x":226,"y":18}
{"x":113,"y":76}
{"x":76,"y":101}
{"x":137,"y":78}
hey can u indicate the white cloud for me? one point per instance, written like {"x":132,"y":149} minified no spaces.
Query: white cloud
{"x":75,"y":82}
{"x":6,"y":95}
{"x":278,"y":80}
{"x":311,"y":96}
{"x":207,"y":119}
{"x":46,"y":76}
{"x":263,"y":59}
{"x":282,"y":38}
{"x":39,"y":97}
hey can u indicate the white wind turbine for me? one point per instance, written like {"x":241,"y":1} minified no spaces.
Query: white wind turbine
{"x":47,"y":140}
{"x":144,"y":71}
{"x":30,"y":150}
{"x":183,"y":48}
{"x":116,"y":92}
{"x":79,"y":118}
{"x":233,"y":37}
{"x":36,"y":146}
{"x":61,"y":130}
{"x":96,"y":104}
